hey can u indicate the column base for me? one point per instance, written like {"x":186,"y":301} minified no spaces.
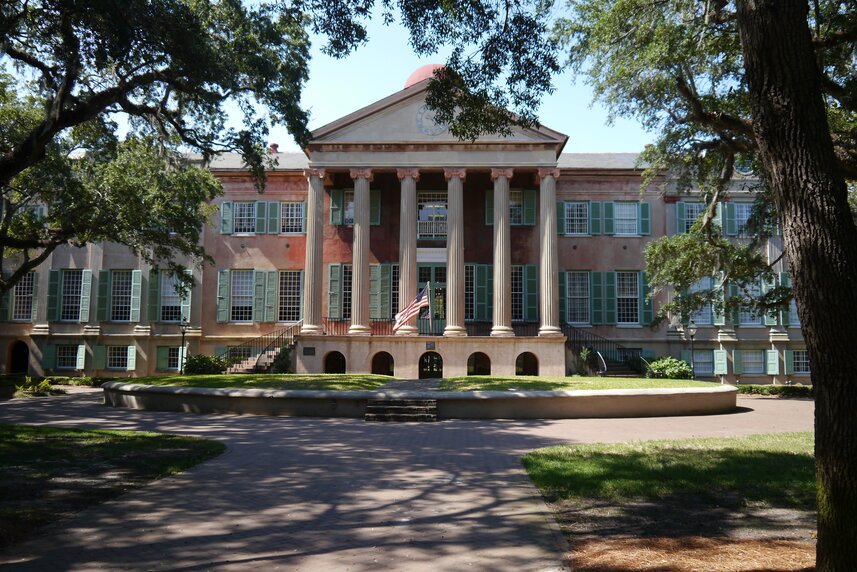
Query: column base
{"x":502,"y":332}
{"x":455,"y":331}
{"x":550,"y":332}
{"x":407,"y":331}
{"x":359,"y":330}
{"x":311,"y":330}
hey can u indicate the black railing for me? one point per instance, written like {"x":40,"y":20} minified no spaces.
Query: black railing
{"x":284,"y":339}
{"x":257,"y":346}
{"x":425,"y":327}
{"x":578,"y":339}
{"x":335,"y":326}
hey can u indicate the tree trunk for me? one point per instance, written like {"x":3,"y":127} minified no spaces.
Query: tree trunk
{"x":790,"y":125}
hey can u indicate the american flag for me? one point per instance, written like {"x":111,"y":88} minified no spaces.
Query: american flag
{"x":412,"y":309}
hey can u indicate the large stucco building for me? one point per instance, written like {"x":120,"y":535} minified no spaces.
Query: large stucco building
{"x":529,"y":253}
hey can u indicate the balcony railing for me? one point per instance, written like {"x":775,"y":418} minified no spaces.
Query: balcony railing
{"x":426,"y":327}
{"x":431,"y":229}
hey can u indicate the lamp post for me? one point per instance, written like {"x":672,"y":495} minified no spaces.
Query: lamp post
{"x":690,"y":330}
{"x":183,"y":326}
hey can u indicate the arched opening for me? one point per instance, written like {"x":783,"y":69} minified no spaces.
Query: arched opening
{"x":19,"y":358}
{"x":478,"y":364}
{"x":382,"y":364}
{"x":527,"y":364}
{"x":334,"y":362}
{"x":431,"y":365}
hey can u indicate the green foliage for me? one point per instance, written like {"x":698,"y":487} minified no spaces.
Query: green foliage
{"x":327,"y":381}
{"x":35,"y":387}
{"x":84,"y":380}
{"x":782,"y":390}
{"x":670,"y":368}
{"x":283,"y":362}
{"x":583,"y":361}
{"x":203,"y":364}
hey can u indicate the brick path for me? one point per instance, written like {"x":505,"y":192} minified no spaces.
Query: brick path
{"x":340,"y":494}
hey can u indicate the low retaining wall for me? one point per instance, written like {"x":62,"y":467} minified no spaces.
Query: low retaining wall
{"x":450,"y":405}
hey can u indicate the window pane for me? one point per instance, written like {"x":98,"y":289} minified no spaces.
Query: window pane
{"x":23,"y":302}
{"x":703,"y":362}
{"x":753,"y":361}
{"x":625,"y":218}
{"x":290,"y":296}
{"x":66,"y":357}
{"x":801,"y":361}
{"x":120,"y":296}
{"x":244,"y":217}
{"x":742,"y":215}
{"x":469,"y":292}
{"x":394,"y":290}
{"x":749,"y":316}
{"x":173,"y":358}
{"x":117,"y":357}
{"x":291,"y":217}
{"x":577,"y":218}
{"x":71,"y":289}
{"x":578,"y":298}
{"x":517,"y":293}
{"x":627,"y":298}
{"x":171,"y":305}
{"x":346,"y":292}
{"x":516,"y":207}
{"x":431,"y":215}
{"x":242,"y":296}
{"x":794,"y":319}
{"x":692,"y":211}
{"x":348,"y":208}
{"x":702,"y":316}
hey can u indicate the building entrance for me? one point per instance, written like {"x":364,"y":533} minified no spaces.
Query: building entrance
{"x":432,"y":320}
{"x":431,"y":365}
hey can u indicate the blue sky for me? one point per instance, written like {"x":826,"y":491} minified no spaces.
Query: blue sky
{"x":380,"y":68}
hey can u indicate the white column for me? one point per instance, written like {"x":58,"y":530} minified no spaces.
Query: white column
{"x":408,"y":245}
{"x":314,"y":241}
{"x":360,"y":254}
{"x":502,"y":315}
{"x":455,"y":253}
{"x":548,"y":259}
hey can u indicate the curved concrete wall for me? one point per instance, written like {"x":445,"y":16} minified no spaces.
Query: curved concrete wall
{"x":451,"y":405}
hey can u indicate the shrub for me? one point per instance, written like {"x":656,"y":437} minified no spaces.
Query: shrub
{"x":783,"y":390}
{"x":283,"y":362}
{"x":35,"y":387}
{"x":669,"y":368}
{"x":202,"y":364}
{"x":83,"y":380}
{"x":583,"y":361}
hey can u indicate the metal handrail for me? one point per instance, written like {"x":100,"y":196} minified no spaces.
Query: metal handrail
{"x":601,"y":372}
{"x":258,"y":344}
{"x":285,"y":339}
{"x":606,"y":349}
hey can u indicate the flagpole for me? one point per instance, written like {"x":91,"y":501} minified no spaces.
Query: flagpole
{"x":428,"y":295}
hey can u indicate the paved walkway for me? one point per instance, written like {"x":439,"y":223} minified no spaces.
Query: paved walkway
{"x":340,"y":494}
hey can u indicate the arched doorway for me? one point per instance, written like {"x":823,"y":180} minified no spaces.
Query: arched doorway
{"x":527,"y":364}
{"x":19,"y":358}
{"x":478,"y":364}
{"x":334,"y":362}
{"x":382,"y":364}
{"x":431,"y":365}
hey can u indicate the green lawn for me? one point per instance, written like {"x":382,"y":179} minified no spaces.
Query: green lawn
{"x":542,"y":383}
{"x":49,"y":473}
{"x":771,"y":470}
{"x":342,"y":382}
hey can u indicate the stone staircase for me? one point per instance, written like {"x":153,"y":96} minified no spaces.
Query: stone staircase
{"x":249,"y":365}
{"x":620,"y":369}
{"x":401,"y":410}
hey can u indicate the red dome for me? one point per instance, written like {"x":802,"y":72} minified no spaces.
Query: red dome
{"x":421,"y":73}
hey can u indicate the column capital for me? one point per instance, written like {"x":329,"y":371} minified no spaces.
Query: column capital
{"x":549,"y":172}
{"x":501,"y":173}
{"x":314,"y":172}
{"x":411,"y":172}
{"x":358,"y":173}
{"x":450,"y":173}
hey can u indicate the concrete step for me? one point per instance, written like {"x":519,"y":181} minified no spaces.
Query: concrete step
{"x":404,"y":402}
{"x":401,"y":410}
{"x":392,"y":409}
{"x":400,"y":417}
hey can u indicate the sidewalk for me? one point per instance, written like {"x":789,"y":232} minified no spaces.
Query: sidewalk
{"x":340,"y":494}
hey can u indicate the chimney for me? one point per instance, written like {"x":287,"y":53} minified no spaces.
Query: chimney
{"x":274,"y":148}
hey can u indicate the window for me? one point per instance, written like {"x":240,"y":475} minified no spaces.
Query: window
{"x":394,"y":290}
{"x":692,"y":212}
{"x":292,"y":218}
{"x":431,"y":215}
{"x":742,"y":215}
{"x":469,"y":292}
{"x":517,"y":293}
{"x":117,"y":357}
{"x":346,"y":291}
{"x":753,"y":361}
{"x":702,"y":316}
{"x":794,"y":319}
{"x":627,"y":298}
{"x":750,"y":316}
{"x":625,"y":218}
{"x":171,"y":304}
{"x":577,"y":295}
{"x":238,"y":354}
{"x":801,"y":362}
{"x":22,"y":309}
{"x":71,"y":292}
{"x":173,"y":357}
{"x":244,"y":217}
{"x":516,"y":207}
{"x":348,"y":208}
{"x":242,"y":296}
{"x":703,"y":362}
{"x":577,"y":218}
{"x":67,"y":357}
{"x":290,"y":296}
{"x":120,"y":305}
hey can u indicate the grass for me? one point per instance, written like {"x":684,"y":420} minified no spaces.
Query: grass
{"x":543,"y":383}
{"x":341,"y":382}
{"x":49,"y":473}
{"x":768,"y":470}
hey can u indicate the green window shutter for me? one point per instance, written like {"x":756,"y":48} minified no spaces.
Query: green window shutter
{"x":386,"y":291}
{"x":374,"y":291}
{"x":85,"y":295}
{"x":679,"y":217}
{"x":531,"y":284}
{"x":226,"y":217}
{"x":595,"y":217}
{"x":274,"y":226}
{"x":737,"y":367}
{"x":770,"y":317}
{"x":334,"y":291}
{"x":560,"y":218}
{"x":132,"y":358}
{"x":772,"y":362}
{"x":646,"y":310}
{"x":223,"y":291}
{"x":80,"y":362}
{"x":99,"y":357}
{"x":5,"y":305}
{"x":785,"y":314}
{"x":789,"y":356}
{"x":337,"y":197}
{"x":163,"y":358}
{"x":721,"y":363}
{"x":185,"y":300}
{"x":136,"y":292}
{"x":644,"y":219}
{"x":610,"y":298}
{"x":104,"y":295}
{"x":596,"y":297}
{"x":732,"y":292}
{"x":35,"y":311}
{"x":261,"y":217}
{"x":259,"y":279}
{"x":731,"y":221}
{"x":49,"y":357}
{"x":607,"y":209}
{"x":529,"y":207}
{"x":563,"y":297}
{"x":489,"y":207}
{"x":303,"y":216}
{"x":685,"y":356}
{"x":154,"y":300}
{"x":271,"y":291}
{"x":718,"y":214}
{"x":482,"y":314}
{"x":374,"y":207}
{"x":54,"y":295}
{"x":490,"y":292}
